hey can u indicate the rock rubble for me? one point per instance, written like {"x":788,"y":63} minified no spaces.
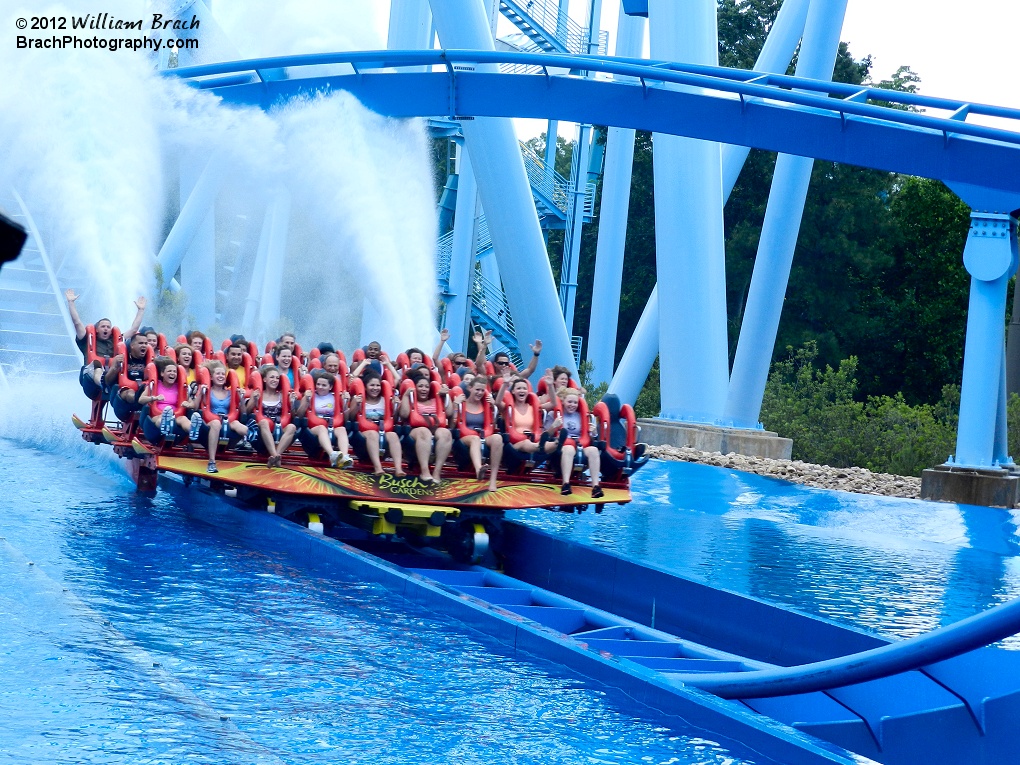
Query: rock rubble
{"x":853,"y":479}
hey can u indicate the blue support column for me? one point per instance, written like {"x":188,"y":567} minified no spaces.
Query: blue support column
{"x":249,"y":325}
{"x":1000,"y":450}
{"x":578,"y":181}
{"x":197,"y":200}
{"x":462,"y":254}
{"x":605,"y":298}
{"x":272,"y":280}
{"x":990,"y":258}
{"x":690,"y":254}
{"x":506,"y":198}
{"x":198,"y":265}
{"x":410,"y":26}
{"x":572,"y":232}
{"x":551,"y":131}
{"x":490,"y":268}
{"x":778,"y":241}
{"x":774,"y":58}
{"x":640,"y":354}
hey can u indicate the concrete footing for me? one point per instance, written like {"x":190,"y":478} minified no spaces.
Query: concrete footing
{"x":711,"y":438}
{"x":968,"y":486}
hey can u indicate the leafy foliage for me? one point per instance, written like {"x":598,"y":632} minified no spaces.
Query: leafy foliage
{"x":593,"y":393}
{"x":817,"y":408}
{"x":877,"y":272}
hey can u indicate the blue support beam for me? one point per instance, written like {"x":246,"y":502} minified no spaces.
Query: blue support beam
{"x":198,"y":196}
{"x":276,"y":252}
{"x":249,"y":322}
{"x":506,"y":198}
{"x":608,"y":281}
{"x":462,"y":255}
{"x":774,"y":57}
{"x":1000,"y":449}
{"x":634,"y":7}
{"x":410,"y":25}
{"x":198,"y":266}
{"x":571,"y":261}
{"x":690,"y":257}
{"x":990,"y":256}
{"x":941,"y":644}
{"x":764,"y":305}
{"x":789,"y":115}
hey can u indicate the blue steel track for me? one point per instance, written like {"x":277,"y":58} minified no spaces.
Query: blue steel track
{"x":825,"y":120}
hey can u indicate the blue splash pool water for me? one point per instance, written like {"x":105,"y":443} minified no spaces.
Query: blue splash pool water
{"x":898,"y":567}
{"x":131,"y":634}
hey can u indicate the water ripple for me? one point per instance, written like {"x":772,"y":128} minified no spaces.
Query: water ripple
{"x":139,"y":636}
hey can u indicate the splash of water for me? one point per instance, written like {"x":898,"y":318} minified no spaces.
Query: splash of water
{"x":36,"y":412}
{"x":93,"y":141}
{"x":78,"y":142}
{"x":364,"y":185}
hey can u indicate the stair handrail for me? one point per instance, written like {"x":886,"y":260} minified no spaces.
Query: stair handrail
{"x":553,"y":186}
{"x":491,"y":300}
{"x":943,"y":643}
{"x":444,"y":248}
{"x":547,"y":18}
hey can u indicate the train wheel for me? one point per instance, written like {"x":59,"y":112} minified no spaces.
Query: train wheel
{"x":467,"y":542}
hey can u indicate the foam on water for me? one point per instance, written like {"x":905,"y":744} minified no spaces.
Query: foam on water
{"x":35,"y":412}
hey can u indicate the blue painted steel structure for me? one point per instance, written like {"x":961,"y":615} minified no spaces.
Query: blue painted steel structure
{"x":962,"y":709}
{"x":644,"y":346}
{"x":969,"y":634}
{"x":462,"y":254}
{"x":195,"y":208}
{"x":506,"y":197}
{"x":605,"y":298}
{"x":990,"y":256}
{"x":524,"y":638}
{"x":690,"y":254}
{"x":830,"y":121}
{"x":579,"y":171}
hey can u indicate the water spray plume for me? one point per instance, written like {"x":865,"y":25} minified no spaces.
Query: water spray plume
{"x":80,"y":145}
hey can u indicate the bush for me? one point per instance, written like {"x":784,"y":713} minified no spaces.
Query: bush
{"x":648,"y":402}
{"x":817,"y":409}
{"x":593,"y":393}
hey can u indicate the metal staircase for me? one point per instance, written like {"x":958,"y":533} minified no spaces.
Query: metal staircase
{"x":489,"y":307}
{"x":36,"y":333}
{"x":552,"y":191}
{"x":548,"y":27}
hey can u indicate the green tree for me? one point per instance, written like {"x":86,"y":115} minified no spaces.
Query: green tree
{"x":916,"y":311}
